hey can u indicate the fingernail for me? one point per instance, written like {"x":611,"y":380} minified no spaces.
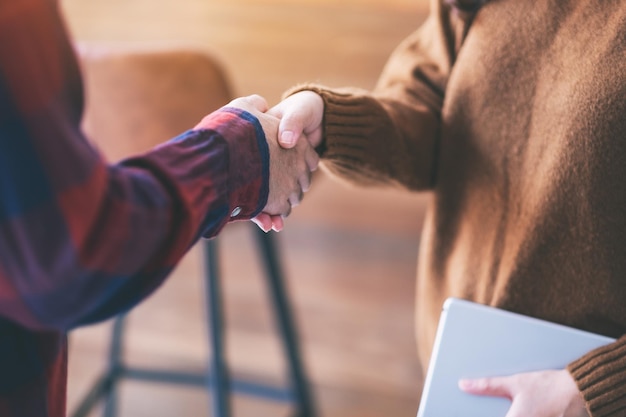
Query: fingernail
{"x":287,"y":137}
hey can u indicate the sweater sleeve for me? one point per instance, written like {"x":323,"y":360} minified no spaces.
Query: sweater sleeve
{"x":601,"y":378}
{"x":389,"y":136}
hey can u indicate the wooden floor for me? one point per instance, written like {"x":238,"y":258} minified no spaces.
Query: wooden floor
{"x":349,"y":254}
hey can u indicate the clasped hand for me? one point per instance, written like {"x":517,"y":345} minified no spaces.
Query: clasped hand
{"x":292,"y":161}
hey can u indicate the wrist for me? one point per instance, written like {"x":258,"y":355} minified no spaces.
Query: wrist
{"x":577,"y":406}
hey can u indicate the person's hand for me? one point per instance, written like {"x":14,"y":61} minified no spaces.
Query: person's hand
{"x":290,"y":175}
{"x":300,"y":115}
{"x":290,"y":170}
{"x":533,"y":394}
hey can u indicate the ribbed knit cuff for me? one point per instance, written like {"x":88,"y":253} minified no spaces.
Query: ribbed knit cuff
{"x":601,"y":377}
{"x":352,"y":119}
{"x":371,"y":140}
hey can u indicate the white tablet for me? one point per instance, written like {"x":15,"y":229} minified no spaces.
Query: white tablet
{"x":478,"y":341}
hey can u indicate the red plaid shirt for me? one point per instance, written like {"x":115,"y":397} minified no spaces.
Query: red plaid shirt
{"x":82,"y":240}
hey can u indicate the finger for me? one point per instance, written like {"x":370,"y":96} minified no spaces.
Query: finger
{"x":264,"y":221}
{"x":312,"y":158}
{"x":493,"y":387}
{"x":287,"y":211}
{"x":305,"y":181}
{"x":277,"y":223}
{"x":315,"y":137}
{"x":296,"y":197}
{"x":278,"y":208}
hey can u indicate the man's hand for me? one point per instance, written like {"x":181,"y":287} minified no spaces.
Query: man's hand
{"x":290,"y":170}
{"x":290,"y":175}
{"x":533,"y":394}
{"x":300,"y":115}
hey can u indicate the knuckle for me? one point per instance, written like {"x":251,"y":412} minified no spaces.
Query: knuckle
{"x":255,"y":98}
{"x":484,"y":384}
{"x":487,"y":385}
{"x":295,"y":199}
{"x":305,"y":183}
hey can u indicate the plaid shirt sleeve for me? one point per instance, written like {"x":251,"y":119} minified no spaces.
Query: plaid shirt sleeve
{"x":80,"y":239}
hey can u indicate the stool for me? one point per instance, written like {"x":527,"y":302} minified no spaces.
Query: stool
{"x":135,"y":100}
{"x":217,"y":379}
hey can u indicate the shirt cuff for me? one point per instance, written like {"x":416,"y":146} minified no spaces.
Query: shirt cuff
{"x":248,"y":162}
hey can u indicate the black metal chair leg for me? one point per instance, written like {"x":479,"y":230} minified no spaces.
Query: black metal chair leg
{"x":282,"y":310}
{"x":115,"y":366}
{"x":105,"y":387}
{"x":218,"y":378}
{"x":99,"y":391}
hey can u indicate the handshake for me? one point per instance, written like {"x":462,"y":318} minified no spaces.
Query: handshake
{"x":292,"y":160}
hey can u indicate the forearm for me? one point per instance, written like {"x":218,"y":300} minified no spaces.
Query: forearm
{"x":100,"y":238}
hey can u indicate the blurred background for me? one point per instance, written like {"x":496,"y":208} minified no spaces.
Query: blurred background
{"x":349,"y":254}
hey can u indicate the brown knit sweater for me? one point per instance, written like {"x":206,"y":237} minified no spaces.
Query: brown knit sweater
{"x":515,"y":119}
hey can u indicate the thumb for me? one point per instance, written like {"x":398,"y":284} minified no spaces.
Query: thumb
{"x":290,"y":129}
{"x":300,"y":114}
